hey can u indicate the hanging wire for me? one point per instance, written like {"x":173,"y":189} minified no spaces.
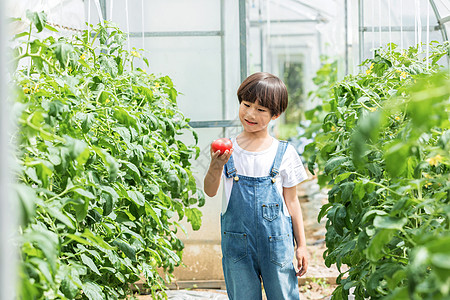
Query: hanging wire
{"x":415,"y":22}
{"x":89,"y":21}
{"x":268,"y":25}
{"x":389,"y":24}
{"x":419,"y":27}
{"x":111,"y":10}
{"x":128,"y":26}
{"x":401,"y":24}
{"x":379,"y":22}
{"x":143,"y":27}
{"x":428,"y":34}
{"x":373,"y":25}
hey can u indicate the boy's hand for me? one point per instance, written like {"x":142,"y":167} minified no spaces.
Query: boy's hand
{"x":302,"y":260}
{"x":218,"y":160}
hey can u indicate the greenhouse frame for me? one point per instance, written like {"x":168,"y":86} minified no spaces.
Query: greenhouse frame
{"x":207,"y":48}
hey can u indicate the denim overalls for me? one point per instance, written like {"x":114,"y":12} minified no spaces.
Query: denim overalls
{"x":257,"y":237}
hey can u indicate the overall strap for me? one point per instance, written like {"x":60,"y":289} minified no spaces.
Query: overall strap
{"x":229,"y":169}
{"x":282,"y":146}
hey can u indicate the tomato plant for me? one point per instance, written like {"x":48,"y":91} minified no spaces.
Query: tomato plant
{"x":383,"y":150}
{"x":222,"y":145}
{"x":101,"y":172}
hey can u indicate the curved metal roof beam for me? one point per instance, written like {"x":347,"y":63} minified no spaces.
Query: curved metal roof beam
{"x":318,"y":17}
{"x":318,"y":10}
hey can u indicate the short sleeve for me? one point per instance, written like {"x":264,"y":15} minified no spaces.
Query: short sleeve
{"x":292,"y":171}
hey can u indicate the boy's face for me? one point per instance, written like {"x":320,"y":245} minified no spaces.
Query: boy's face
{"x":254,"y":117}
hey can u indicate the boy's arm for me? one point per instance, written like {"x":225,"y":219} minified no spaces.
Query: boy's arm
{"x":212,"y":178}
{"x":295,"y":210}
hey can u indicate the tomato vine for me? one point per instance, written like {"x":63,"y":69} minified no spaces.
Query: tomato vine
{"x":382,"y":144}
{"x":101,"y":172}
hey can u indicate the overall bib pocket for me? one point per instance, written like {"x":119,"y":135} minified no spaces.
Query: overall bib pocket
{"x":234,"y":245}
{"x":281,"y":249}
{"x":270,"y":211}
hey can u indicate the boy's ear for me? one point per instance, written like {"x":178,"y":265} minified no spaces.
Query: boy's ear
{"x":274,"y":117}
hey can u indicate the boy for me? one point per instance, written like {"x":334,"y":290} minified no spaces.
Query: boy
{"x":261,"y":215}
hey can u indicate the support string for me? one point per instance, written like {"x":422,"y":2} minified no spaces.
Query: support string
{"x":379,"y":22}
{"x":128,"y":26}
{"x":389,"y":24}
{"x":373,"y":25}
{"x":111,"y":10}
{"x":401,"y":24}
{"x":143,"y":27}
{"x":419,"y":27}
{"x":89,"y":22}
{"x":428,"y":35}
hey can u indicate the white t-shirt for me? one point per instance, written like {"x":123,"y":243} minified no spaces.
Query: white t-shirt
{"x":259,"y":164}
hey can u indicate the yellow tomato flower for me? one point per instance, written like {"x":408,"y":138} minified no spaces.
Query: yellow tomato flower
{"x":333,"y":128}
{"x":135,"y":54}
{"x":26,"y":90}
{"x":83,"y":56}
{"x":368,"y":71}
{"x":157,"y":85}
{"x":372,"y":109}
{"x":434,"y":161}
{"x":403,"y":75}
{"x":397,"y":118}
{"x":371,"y":66}
{"x":107,"y":100}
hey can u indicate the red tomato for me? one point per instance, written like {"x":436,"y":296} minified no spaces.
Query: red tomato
{"x":222,"y":145}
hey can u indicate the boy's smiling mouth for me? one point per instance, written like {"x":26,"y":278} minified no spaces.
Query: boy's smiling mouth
{"x":250,"y":123}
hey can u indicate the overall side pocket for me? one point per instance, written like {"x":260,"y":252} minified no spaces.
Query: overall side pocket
{"x":234,"y":245}
{"x":281,"y":249}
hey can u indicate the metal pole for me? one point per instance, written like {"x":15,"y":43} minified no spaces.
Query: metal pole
{"x":442,"y":26}
{"x":243,"y":38}
{"x":103,"y":8}
{"x":223,"y":63}
{"x":261,"y":40}
{"x":361,"y":32}
{"x":8,"y":267}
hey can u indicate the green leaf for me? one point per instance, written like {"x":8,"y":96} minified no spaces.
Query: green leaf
{"x":27,"y":198}
{"x":84,"y":193}
{"x":60,"y":215}
{"x":38,"y":19}
{"x":389,"y":222}
{"x":134,"y":170}
{"x":342,"y":177}
{"x":136,"y":197}
{"x":63,"y":52}
{"x":150,"y":211}
{"x":334,"y":163}
{"x":87,"y":123}
{"x":90,"y":263}
{"x":174,"y":182}
{"x":93,"y":291}
{"x":194,"y":216}
{"x":375,"y":251}
{"x":129,"y":251}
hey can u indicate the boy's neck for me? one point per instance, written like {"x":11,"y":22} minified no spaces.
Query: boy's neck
{"x":254,"y":142}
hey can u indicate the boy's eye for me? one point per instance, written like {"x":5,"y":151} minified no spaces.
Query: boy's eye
{"x":262,"y":110}
{"x":246,"y":105}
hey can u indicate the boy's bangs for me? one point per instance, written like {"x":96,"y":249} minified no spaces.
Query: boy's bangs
{"x":259,"y":93}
